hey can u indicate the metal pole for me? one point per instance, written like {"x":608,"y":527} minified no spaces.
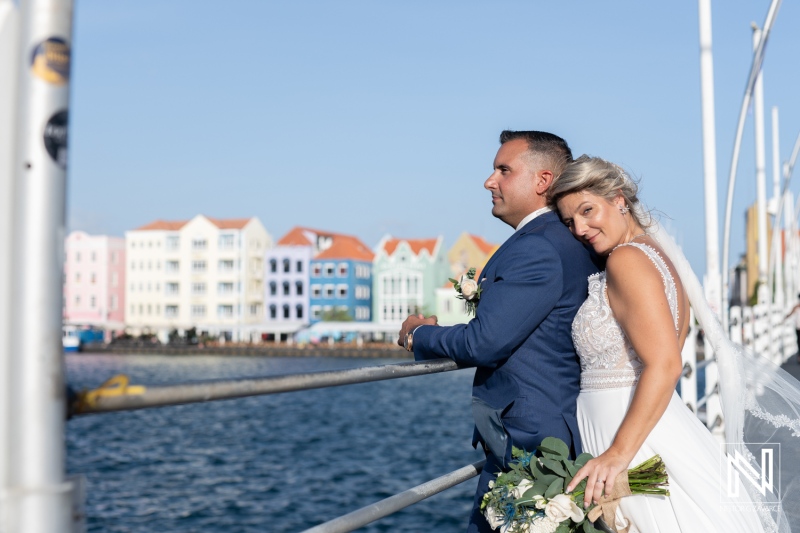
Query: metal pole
{"x":761,"y":178}
{"x":116,"y":396}
{"x":9,"y":48}
{"x":755,"y":68}
{"x":40,"y":496}
{"x":383,"y":508}
{"x":777,"y":246}
{"x":712,"y":280}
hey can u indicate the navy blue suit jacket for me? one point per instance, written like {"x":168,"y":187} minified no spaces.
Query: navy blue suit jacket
{"x":528,"y":375}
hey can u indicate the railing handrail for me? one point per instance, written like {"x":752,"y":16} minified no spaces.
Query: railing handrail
{"x":392,"y":504}
{"x":118,"y":397}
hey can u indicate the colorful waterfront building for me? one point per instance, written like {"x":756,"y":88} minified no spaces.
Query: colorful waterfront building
{"x":94,"y":281}
{"x":341,"y":281}
{"x":203,"y":273}
{"x":405,"y":276}
{"x":469,"y":251}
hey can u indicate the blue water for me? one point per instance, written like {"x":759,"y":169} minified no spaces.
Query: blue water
{"x":284,"y":462}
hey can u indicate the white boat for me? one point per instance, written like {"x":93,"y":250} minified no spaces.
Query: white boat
{"x":70,"y":339}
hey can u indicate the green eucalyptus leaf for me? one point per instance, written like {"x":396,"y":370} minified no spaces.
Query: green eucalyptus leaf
{"x":554,"y":466}
{"x":555,"y":488}
{"x":572,"y":468}
{"x":583,"y":458}
{"x":563,"y":527}
{"x":588,"y":527}
{"x":554,"y":446}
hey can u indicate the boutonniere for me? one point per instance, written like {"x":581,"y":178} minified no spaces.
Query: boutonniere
{"x":468,"y":290}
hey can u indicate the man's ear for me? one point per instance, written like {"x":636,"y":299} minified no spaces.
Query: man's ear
{"x":544,"y":179}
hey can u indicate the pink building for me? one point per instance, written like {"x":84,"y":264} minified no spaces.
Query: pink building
{"x":94,"y":281}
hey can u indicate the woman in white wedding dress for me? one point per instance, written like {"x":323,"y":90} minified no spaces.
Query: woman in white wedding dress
{"x":629,"y":335}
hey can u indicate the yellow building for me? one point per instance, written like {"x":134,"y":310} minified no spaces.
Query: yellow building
{"x":751,"y":255}
{"x":469,"y":251}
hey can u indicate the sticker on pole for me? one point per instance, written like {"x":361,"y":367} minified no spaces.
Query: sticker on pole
{"x":50,"y":61}
{"x":55,"y":138}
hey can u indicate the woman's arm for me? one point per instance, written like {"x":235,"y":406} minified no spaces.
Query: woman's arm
{"x":636,"y":295}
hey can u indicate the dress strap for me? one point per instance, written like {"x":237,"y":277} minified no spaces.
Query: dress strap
{"x":670,"y":288}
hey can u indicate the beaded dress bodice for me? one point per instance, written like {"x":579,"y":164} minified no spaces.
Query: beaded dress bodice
{"x":607,"y":357}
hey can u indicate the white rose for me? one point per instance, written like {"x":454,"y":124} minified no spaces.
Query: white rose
{"x":540,"y":501}
{"x":522,"y":488}
{"x":543,"y":525}
{"x":494,"y":518}
{"x":469,"y":288}
{"x":561,"y":507}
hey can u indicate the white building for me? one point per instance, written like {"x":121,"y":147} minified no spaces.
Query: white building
{"x":204,"y":273}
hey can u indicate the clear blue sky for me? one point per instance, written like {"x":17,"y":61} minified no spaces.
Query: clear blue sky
{"x":370,"y":117}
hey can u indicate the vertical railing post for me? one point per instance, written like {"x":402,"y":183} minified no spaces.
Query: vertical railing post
{"x":9,"y":54}
{"x":689,"y":357}
{"x":40,"y":497}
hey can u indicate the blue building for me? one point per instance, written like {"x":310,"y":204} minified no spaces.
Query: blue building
{"x":340,"y":281}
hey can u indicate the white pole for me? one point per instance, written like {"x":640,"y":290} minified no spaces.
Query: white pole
{"x":755,"y":69}
{"x":9,"y":47}
{"x":761,"y":178}
{"x":712,"y":281}
{"x":40,"y":495}
{"x":777,"y":243}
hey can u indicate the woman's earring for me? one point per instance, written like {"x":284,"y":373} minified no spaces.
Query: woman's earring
{"x":624,"y":209}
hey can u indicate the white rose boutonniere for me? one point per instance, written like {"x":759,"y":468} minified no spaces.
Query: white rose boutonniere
{"x":469,"y":290}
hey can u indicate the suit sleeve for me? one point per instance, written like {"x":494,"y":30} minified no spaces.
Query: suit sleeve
{"x":525,"y":289}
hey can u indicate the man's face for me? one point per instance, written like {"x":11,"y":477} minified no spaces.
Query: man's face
{"x":515,"y":182}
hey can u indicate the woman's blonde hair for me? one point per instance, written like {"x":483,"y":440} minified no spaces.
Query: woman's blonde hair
{"x":601,"y":178}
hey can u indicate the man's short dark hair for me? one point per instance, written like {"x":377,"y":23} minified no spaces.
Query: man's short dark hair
{"x":540,"y":143}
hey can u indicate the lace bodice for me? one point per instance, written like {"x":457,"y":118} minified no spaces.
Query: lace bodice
{"x":607,"y":357}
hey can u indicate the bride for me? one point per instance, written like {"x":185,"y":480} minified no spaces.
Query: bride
{"x":629,"y":334}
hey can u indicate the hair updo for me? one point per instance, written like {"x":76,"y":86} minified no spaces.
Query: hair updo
{"x":601,"y":178}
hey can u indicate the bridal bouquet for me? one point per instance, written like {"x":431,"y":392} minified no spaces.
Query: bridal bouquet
{"x":531,"y":498}
{"x":468,"y":289}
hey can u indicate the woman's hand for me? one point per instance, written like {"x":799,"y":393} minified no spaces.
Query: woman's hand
{"x":600,"y":474}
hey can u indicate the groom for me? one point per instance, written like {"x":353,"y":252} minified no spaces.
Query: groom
{"x":527,"y":375}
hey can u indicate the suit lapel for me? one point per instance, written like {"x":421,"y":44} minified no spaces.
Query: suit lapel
{"x":542,"y":219}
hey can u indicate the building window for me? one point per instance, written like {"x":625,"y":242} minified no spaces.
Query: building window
{"x":77,"y":277}
{"x":94,"y":257}
{"x":329,"y":291}
{"x":316,"y":270}
{"x":225,"y":287}
{"x":92,"y":302}
{"x":172,"y":266}
{"x":273,"y":265}
{"x":286,"y":265}
{"x":226,"y":242}
{"x":169,"y":310}
{"x":298,"y":288}
{"x":114,"y":279}
{"x":172,"y":288}
{"x":225,"y":311}
{"x":133,"y":265}
{"x":342,"y":270}
{"x":199,"y":244}
{"x":114,"y":302}
{"x":255,"y":309}
{"x":299,"y":266}
{"x":286,"y":288}
{"x":199,"y":288}
{"x":273,"y":288}
{"x":273,"y":311}
{"x":226,"y":265}
{"x":77,"y":301}
{"x":316,"y":312}
{"x":298,"y":311}
{"x":341,"y":291}
{"x":149,"y":309}
{"x":316,"y":291}
{"x":285,"y":311}
{"x":173,"y":242}
{"x":329,"y":268}
{"x":77,"y":257}
{"x":198,"y":266}
{"x":93,"y":278}
{"x":198,"y":310}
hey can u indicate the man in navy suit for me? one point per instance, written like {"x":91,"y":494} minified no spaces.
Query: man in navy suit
{"x":527,"y":375}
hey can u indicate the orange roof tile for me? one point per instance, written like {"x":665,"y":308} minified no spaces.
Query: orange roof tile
{"x":166,"y":225}
{"x":296,"y":237}
{"x":417,"y":245}
{"x":229,"y":223}
{"x":484,"y":246}
{"x":347,"y":247}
